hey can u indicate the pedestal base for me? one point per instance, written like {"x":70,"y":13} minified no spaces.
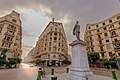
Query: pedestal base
{"x":81,"y":75}
{"x":79,"y":62}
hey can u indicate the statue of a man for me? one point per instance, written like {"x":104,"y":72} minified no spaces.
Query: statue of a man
{"x":76,"y":30}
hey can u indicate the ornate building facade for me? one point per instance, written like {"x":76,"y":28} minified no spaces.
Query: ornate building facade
{"x":11,"y":35}
{"x":104,"y":37}
{"x":52,"y":44}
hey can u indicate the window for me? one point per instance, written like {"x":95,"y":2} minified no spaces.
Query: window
{"x":102,"y":54}
{"x":50,"y":43}
{"x":55,"y":29}
{"x":110,"y":53}
{"x":101,"y":48}
{"x":92,"y":49}
{"x":105,"y":34}
{"x":119,"y":23}
{"x":55,"y":43}
{"x":2,"y":44}
{"x":89,"y":32}
{"x":115,"y":40}
{"x":99,"y":36}
{"x":111,"y":26}
{"x":59,"y":29}
{"x":110,"y":21}
{"x":91,"y":43}
{"x":97,"y":25}
{"x":118,"y":17}
{"x":103,"y":23}
{"x":59,"y":44}
{"x":50,"y":38}
{"x":54,"y":56}
{"x":113,"y":33}
{"x":49,"y":48}
{"x":88,"y":27}
{"x":105,"y":28}
{"x":100,"y":42}
{"x":45,"y":49}
{"x":50,"y":34}
{"x":55,"y":34}
{"x":98,"y":30}
{"x":118,"y":54}
{"x":107,"y":40}
{"x":54,"y":48}
{"x":108,"y":46}
{"x":13,"y":20}
{"x":9,"y":45}
{"x":90,"y":38}
{"x":51,"y":29}
{"x":0,"y":31}
{"x":55,"y":38}
{"x":58,"y":49}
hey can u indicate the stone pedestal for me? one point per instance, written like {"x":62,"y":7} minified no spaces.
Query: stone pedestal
{"x":79,"y":62}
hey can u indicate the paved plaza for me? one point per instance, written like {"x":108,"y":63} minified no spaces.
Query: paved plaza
{"x":25,"y":72}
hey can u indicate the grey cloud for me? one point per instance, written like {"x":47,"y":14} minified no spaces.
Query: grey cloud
{"x":29,"y":34}
{"x":85,"y":11}
{"x":27,"y":46}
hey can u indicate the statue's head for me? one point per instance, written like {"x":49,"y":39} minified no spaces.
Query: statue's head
{"x":77,"y":22}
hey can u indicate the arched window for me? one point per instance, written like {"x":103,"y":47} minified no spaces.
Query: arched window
{"x":54,"y":56}
{"x":113,"y":33}
{"x":105,"y":34}
{"x":13,"y":20}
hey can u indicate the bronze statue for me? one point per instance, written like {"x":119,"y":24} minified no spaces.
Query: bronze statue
{"x":76,"y":30}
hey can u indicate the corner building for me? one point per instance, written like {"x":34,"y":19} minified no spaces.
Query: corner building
{"x":104,"y":37}
{"x":11,"y":35}
{"x":52,"y":44}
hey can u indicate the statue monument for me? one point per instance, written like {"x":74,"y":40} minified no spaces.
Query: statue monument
{"x":79,"y":62}
{"x":76,"y":30}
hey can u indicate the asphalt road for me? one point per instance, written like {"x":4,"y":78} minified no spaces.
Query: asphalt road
{"x":25,"y":72}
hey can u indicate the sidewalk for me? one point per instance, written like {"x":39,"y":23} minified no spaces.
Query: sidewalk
{"x":65,"y":76}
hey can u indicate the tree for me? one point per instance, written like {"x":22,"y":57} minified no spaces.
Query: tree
{"x":38,"y":61}
{"x":106,"y":63}
{"x":66,"y":62}
{"x":93,"y":57}
{"x":113,"y":56}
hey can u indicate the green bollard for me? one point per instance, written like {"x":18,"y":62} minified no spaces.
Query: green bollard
{"x":39,"y":75}
{"x":67,"y":70}
{"x":53,"y":77}
{"x":114,"y":75}
{"x":52,"y":72}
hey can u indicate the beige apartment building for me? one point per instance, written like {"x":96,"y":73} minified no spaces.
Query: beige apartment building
{"x":52,"y":44}
{"x":104,"y":37}
{"x":11,"y":35}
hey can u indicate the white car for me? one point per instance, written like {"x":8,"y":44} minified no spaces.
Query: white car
{"x":31,"y":65}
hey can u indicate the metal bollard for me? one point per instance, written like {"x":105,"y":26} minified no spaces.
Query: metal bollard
{"x":52,"y":73}
{"x":39,"y":75}
{"x":114,"y":75}
{"x":67,"y":70}
{"x":53,"y":77}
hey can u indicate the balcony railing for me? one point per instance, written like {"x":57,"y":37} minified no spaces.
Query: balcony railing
{"x":13,"y":29}
{"x":4,"y":40}
{"x":9,"y":34}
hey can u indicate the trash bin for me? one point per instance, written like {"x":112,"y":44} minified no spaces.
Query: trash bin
{"x":53,"y":77}
{"x":114,"y":75}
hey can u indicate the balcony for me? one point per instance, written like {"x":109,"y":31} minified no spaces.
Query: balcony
{"x":13,"y":29}
{"x":117,"y":49}
{"x":114,"y":35}
{"x":99,"y":39}
{"x":101,"y":44}
{"x":116,"y":46}
{"x":7,"y":41}
{"x":9,"y":34}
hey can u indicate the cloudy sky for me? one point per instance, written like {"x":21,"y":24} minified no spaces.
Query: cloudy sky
{"x":36,"y":14}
